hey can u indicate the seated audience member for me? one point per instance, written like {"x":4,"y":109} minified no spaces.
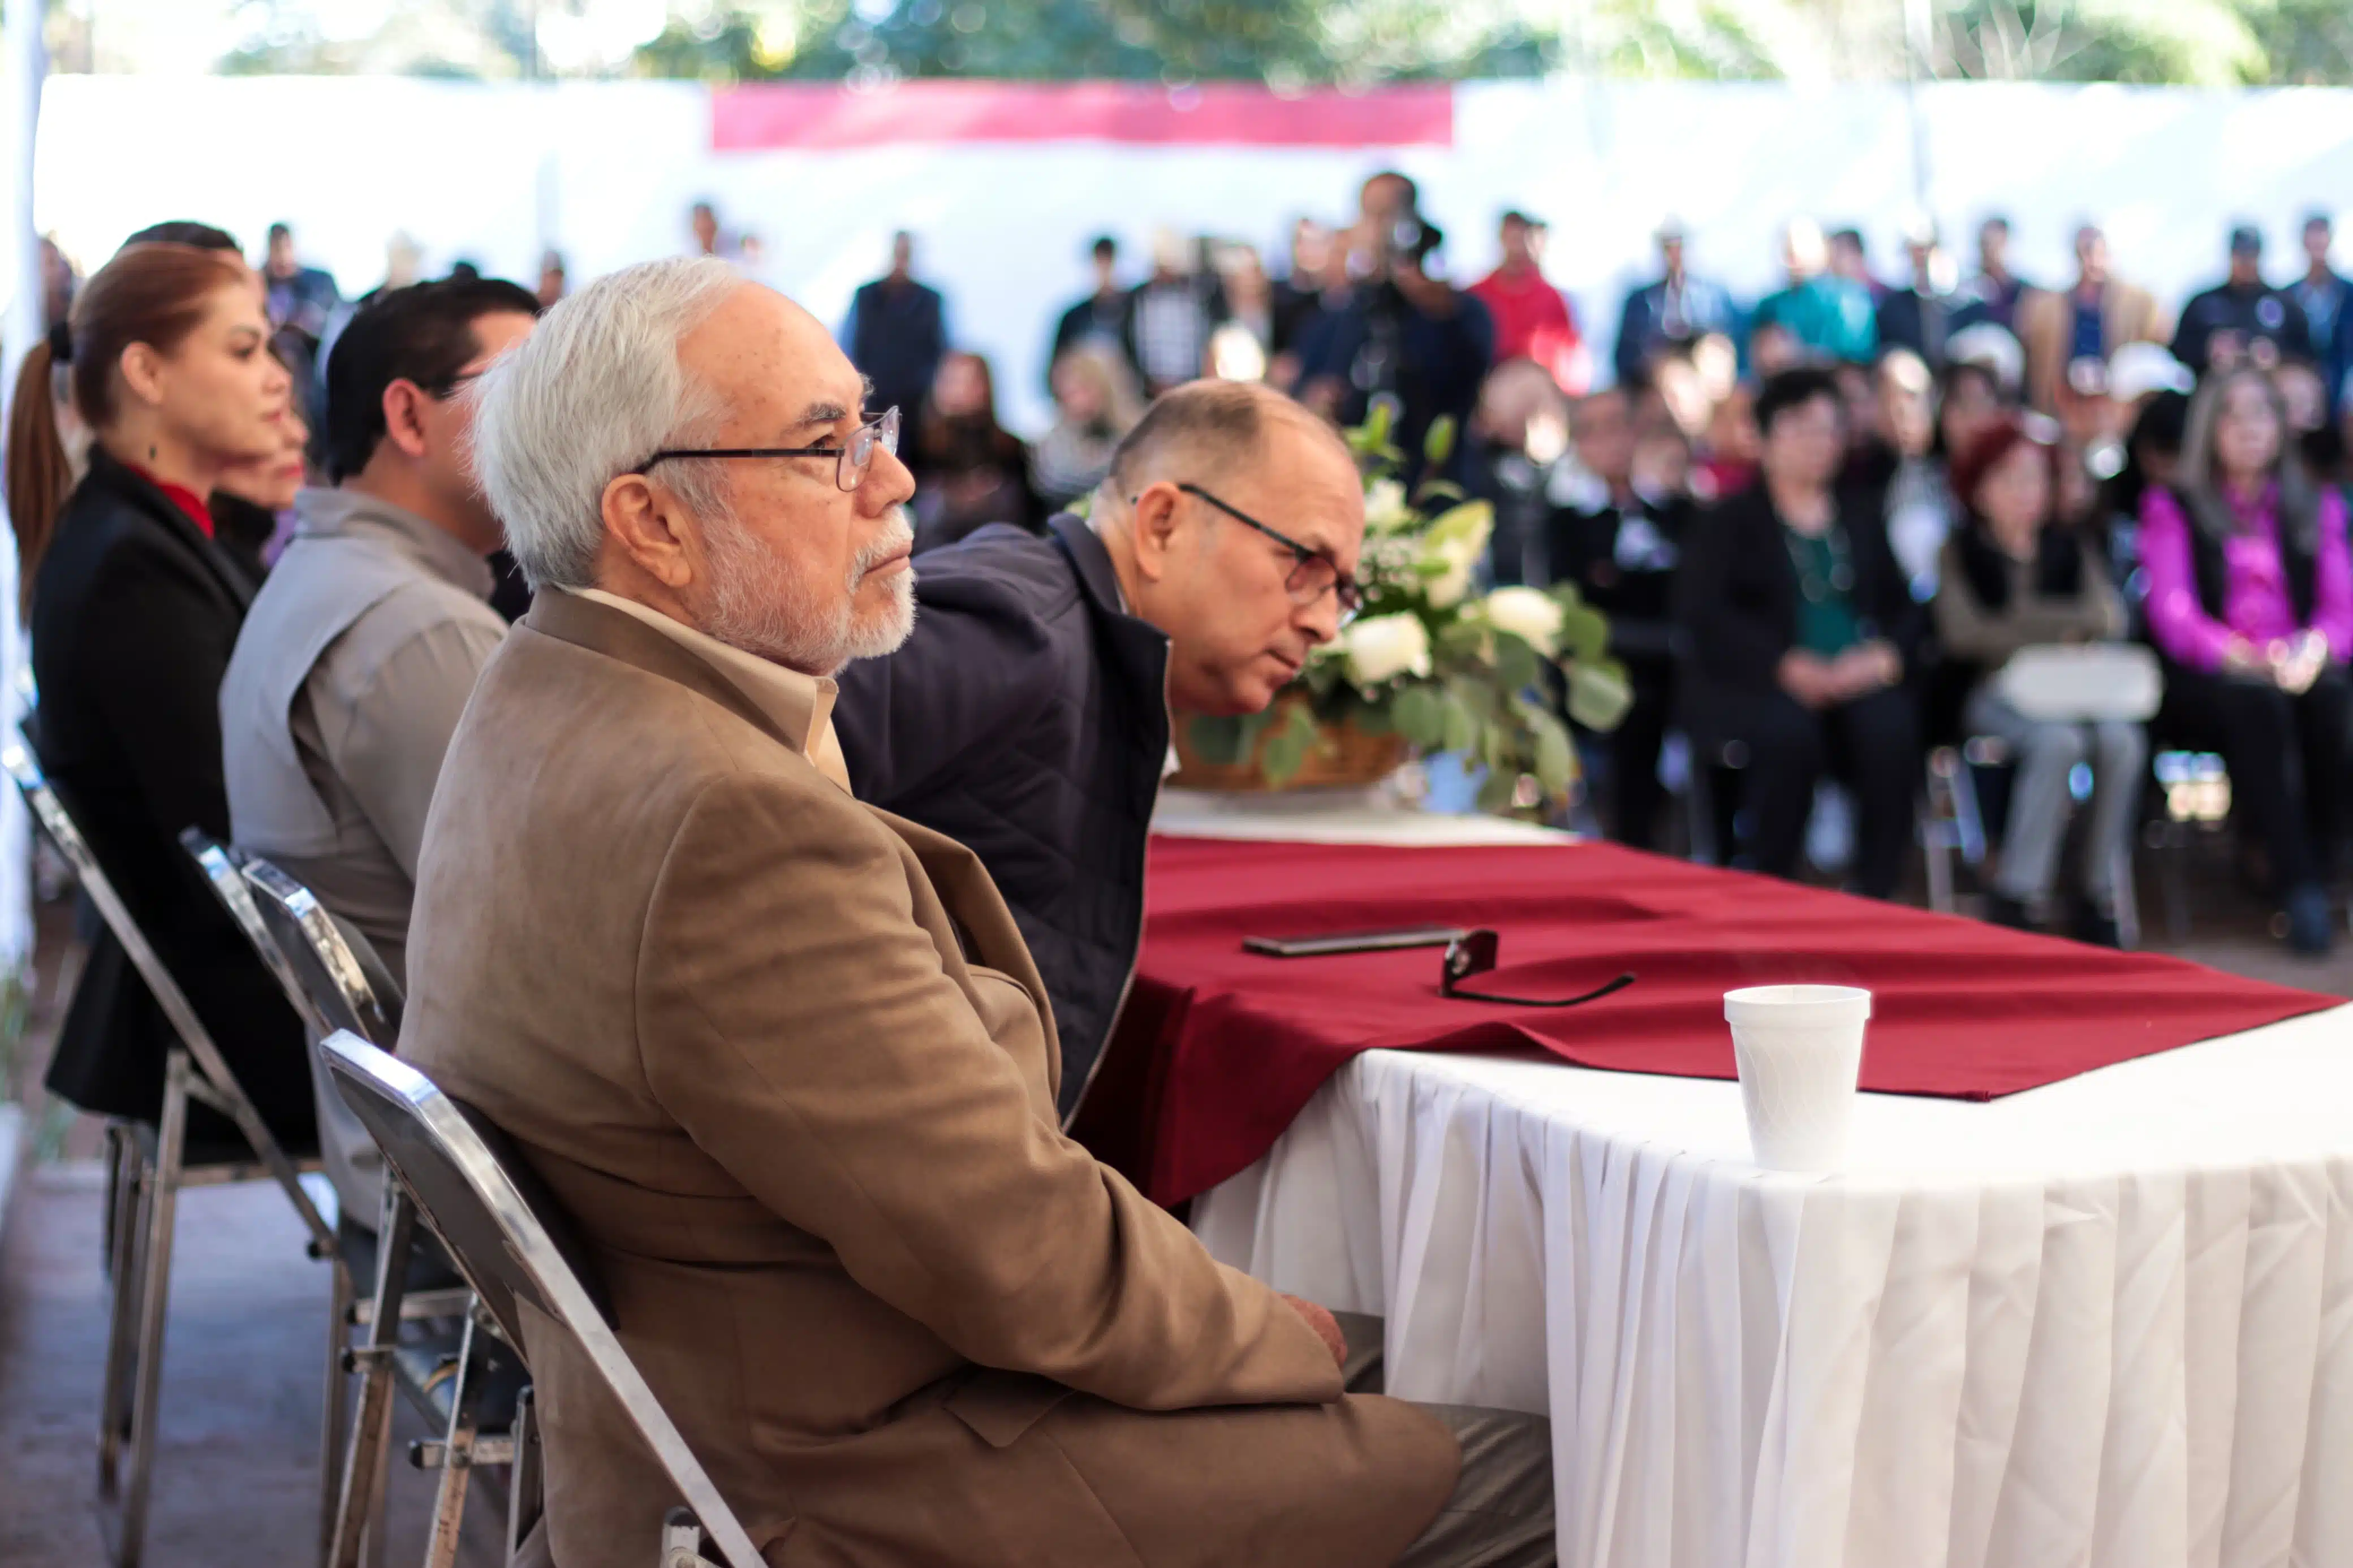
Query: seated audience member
{"x":1621,"y":545}
{"x":1969,"y":402}
{"x":973,"y":471}
{"x":2015,"y":576}
{"x":1728,"y":455}
{"x":1901,"y":461}
{"x":1026,"y":717}
{"x":2152,"y":460}
{"x":1991,"y":348}
{"x":363,"y":647}
{"x":134,"y":607}
{"x":250,"y":497}
{"x":785,"y":1059}
{"x":1802,"y":633}
{"x":1518,"y":436}
{"x":2251,"y":604}
{"x":1095,"y":403}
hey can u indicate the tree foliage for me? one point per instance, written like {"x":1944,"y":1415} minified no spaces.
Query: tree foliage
{"x":1301,"y":43}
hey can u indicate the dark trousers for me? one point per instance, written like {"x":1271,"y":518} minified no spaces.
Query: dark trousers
{"x":1871,"y":744}
{"x":2286,"y":756}
{"x":1634,"y":750}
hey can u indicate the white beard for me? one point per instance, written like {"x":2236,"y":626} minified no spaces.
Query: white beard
{"x":757,"y":606}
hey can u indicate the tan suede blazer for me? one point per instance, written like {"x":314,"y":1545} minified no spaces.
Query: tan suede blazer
{"x":2046,"y":327}
{"x":785,"y":1060}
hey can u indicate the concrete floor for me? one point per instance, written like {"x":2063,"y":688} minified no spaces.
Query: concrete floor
{"x":237,"y":1464}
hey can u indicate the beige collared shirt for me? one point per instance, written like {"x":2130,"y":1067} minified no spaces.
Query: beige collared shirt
{"x":802,"y":705}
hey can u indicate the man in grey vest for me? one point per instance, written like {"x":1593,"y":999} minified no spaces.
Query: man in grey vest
{"x":363,"y":645}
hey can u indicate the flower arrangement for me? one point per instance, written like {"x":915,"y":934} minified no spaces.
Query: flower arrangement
{"x":1434,"y":663}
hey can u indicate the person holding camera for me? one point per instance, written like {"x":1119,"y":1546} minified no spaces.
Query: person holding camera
{"x":1402,"y":332}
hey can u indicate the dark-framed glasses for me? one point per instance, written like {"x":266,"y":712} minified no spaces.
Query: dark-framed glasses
{"x":852,"y":457}
{"x":1314,"y":573}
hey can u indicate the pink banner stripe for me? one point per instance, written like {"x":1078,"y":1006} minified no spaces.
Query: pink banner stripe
{"x":817,"y":115}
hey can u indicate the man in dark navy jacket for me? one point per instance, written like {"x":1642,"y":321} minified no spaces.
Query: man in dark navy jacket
{"x":1029,"y":714}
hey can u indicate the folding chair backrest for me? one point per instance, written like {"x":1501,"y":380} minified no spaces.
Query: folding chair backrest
{"x":514,"y":1244}
{"x":334,"y":979}
{"x":224,"y":868}
{"x":48,"y":810}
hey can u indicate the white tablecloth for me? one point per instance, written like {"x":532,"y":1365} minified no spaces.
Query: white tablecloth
{"x":2104,"y":1324}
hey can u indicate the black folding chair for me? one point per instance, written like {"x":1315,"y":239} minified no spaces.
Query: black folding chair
{"x":514,"y":1244}
{"x":150,"y":1167}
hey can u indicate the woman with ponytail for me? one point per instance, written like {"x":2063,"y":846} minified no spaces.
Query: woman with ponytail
{"x":134,"y":607}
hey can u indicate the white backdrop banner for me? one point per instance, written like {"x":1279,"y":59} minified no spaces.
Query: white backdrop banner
{"x":1006,"y":183}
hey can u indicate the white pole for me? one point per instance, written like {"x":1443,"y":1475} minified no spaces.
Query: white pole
{"x":24,"y":62}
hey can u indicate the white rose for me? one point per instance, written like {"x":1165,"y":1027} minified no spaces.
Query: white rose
{"x":1385,"y":507}
{"x":1385,"y":647}
{"x":1529,"y":614}
{"x":1459,"y":557}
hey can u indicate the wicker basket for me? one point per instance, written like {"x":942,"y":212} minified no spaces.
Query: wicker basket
{"x":1342,"y":757}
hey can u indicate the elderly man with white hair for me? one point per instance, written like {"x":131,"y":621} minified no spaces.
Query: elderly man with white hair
{"x":784,"y":1056}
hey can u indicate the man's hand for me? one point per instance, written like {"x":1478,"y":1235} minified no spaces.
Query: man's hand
{"x":1807,"y":677}
{"x":1866,"y":667}
{"x":1326,"y":1327}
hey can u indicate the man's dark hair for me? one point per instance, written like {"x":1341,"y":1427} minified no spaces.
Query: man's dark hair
{"x":1996,"y":220}
{"x":1852,"y":236}
{"x":1104,"y":247}
{"x":279,"y":231}
{"x":1514,"y":215}
{"x":182,"y":231}
{"x":423,"y":333}
{"x":1789,"y":389}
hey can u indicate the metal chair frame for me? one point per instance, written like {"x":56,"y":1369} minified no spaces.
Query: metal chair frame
{"x":446,"y":1173}
{"x":224,"y":868}
{"x":1953,"y":823}
{"x":330,"y":980}
{"x":148,"y":1171}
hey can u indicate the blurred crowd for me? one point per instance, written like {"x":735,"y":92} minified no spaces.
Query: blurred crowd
{"x":1834,"y":528}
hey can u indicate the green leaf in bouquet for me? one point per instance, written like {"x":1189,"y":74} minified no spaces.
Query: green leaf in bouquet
{"x":1555,"y":754}
{"x":1598,"y":693}
{"x":1441,"y":489}
{"x":1495,"y":789}
{"x":1467,"y":524}
{"x":1223,"y":740}
{"x":1419,"y":715}
{"x":1517,"y":663}
{"x":1463,"y":642}
{"x":1437,"y":444}
{"x":1380,"y":419}
{"x":1372,"y":719}
{"x":1584,"y":633}
{"x":1482,"y":698}
{"x":1459,"y":725}
{"x":1285,"y":755}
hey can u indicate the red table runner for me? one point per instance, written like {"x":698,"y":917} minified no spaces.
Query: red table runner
{"x":1218,"y":1048}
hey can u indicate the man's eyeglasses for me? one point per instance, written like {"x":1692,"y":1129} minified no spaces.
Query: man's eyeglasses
{"x":852,"y":457}
{"x":1314,"y":573}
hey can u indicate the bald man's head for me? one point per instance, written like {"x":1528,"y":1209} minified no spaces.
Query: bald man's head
{"x":1213,"y":426}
